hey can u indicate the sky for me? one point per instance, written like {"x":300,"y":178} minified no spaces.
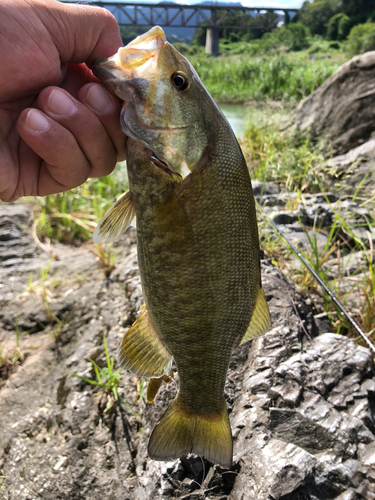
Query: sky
{"x":291,"y":4}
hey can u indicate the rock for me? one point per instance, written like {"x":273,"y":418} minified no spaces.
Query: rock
{"x":264,"y":188}
{"x":355,"y":168}
{"x":342,"y":110}
{"x":302,"y":411}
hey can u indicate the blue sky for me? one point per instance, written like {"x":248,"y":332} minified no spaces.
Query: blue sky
{"x":292,"y":4}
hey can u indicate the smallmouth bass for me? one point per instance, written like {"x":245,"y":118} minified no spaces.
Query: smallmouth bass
{"x":197,"y":241}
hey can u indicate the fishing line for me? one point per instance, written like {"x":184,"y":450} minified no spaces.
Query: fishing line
{"x":319,"y":279}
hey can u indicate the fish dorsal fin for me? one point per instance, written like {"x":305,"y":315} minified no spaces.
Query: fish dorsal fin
{"x":116,"y":219}
{"x":260,"y":320}
{"x":141,"y":350}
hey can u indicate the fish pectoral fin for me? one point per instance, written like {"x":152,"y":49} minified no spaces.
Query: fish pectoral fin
{"x":260,"y":320}
{"x":180,"y":432}
{"x":115,"y":220}
{"x":141,"y":350}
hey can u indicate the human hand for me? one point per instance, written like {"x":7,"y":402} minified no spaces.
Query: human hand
{"x":58,"y":126}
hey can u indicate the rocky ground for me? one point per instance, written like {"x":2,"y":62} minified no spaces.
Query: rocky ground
{"x":301,"y":399}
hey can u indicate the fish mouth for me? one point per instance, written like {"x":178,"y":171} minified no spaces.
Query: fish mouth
{"x":135,"y":60}
{"x":162,"y":164}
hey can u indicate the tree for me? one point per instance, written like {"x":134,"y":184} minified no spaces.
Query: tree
{"x":361,"y":38}
{"x":338,"y":27}
{"x":128,"y":33}
{"x":317,"y":14}
{"x":262,"y":24}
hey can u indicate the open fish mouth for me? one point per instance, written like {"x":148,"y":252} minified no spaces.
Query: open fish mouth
{"x":135,"y":60}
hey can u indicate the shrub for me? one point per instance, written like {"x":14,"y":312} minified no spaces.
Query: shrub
{"x":298,"y":36}
{"x":361,"y":38}
{"x":295,"y":36}
{"x":338,"y":27}
{"x":343,"y":28}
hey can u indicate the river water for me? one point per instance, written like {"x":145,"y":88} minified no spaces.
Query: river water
{"x":261,"y":114}
{"x":238,"y":115}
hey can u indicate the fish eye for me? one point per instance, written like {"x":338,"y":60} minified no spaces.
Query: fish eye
{"x":180,"y":80}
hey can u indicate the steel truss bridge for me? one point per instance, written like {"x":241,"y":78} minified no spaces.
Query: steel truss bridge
{"x":172,"y":14}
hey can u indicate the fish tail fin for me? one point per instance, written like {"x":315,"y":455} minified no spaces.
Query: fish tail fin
{"x":180,"y":432}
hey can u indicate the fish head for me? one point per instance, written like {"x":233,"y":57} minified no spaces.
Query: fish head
{"x":162,"y":97}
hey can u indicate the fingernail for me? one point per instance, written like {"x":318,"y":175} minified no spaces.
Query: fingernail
{"x":99,"y":99}
{"x":60,"y":104}
{"x":37,"y":121}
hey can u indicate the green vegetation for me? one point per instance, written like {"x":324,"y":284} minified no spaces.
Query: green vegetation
{"x":361,"y":38}
{"x":71,"y":217}
{"x":10,"y":359}
{"x":280,"y":77}
{"x":317,"y":15}
{"x":276,"y":157}
{"x":107,"y":380}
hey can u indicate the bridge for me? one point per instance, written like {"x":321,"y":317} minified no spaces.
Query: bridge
{"x":170,"y":14}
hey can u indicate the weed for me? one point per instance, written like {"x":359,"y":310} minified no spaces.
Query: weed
{"x":275,"y":157}
{"x":2,"y":481}
{"x":106,"y":257}
{"x":352,"y":283}
{"x":240,"y":77}
{"x":43,"y":290}
{"x":71,"y":217}
{"x":12,"y":358}
{"x":107,"y":380}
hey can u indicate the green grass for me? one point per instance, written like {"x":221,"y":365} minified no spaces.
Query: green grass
{"x":107,"y":380}
{"x":238,"y":78}
{"x":276,"y":157}
{"x":72,"y":216}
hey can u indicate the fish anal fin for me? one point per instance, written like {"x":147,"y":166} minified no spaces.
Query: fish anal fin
{"x":260,"y":319}
{"x":180,"y":433}
{"x":115,"y":220}
{"x":141,"y":350}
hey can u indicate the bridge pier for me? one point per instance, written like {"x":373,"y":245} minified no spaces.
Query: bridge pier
{"x":212,"y":40}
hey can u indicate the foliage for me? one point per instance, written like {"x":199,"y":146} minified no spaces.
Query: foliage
{"x":11,"y":358}
{"x":106,"y":379}
{"x":71,"y":217}
{"x":343,"y":27}
{"x":338,"y":27}
{"x":294,"y":36}
{"x":316,"y":15}
{"x":187,"y":50}
{"x":277,"y":77}
{"x":275,"y":157}
{"x":262,"y":23}
{"x":361,"y":38}
{"x":128,"y":33}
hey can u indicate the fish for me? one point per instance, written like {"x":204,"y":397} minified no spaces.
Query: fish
{"x":197,"y":242}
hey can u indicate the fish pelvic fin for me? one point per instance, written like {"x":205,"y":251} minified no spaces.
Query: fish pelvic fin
{"x":154,"y":385}
{"x":260,"y":320}
{"x":115,"y":220}
{"x":141,"y":350}
{"x":180,"y":432}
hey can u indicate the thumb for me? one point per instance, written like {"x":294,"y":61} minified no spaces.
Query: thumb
{"x":81,"y":33}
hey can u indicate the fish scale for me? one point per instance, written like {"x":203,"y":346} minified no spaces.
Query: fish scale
{"x":197,"y":240}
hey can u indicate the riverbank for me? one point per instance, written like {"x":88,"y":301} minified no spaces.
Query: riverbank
{"x":279,"y":75}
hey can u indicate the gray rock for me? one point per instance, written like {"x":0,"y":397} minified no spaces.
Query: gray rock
{"x":264,"y":188}
{"x":342,"y":111}
{"x":301,"y":411}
